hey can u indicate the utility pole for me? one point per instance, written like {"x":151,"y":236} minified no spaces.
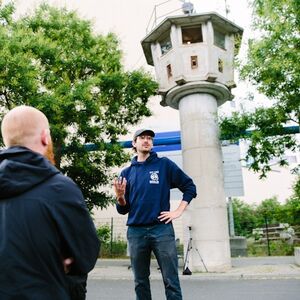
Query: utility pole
{"x":231,"y":219}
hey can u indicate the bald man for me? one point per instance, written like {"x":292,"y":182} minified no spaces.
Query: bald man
{"x":45,"y":228}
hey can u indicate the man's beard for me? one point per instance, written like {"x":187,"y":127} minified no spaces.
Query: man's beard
{"x":49,"y":153}
{"x":145,"y":151}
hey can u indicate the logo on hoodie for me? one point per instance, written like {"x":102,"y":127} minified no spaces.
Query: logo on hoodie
{"x":154,"y":178}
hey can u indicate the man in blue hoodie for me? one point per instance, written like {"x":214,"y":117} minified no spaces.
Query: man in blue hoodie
{"x":143,"y":191}
{"x":47,"y":236}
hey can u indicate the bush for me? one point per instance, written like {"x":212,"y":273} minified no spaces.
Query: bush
{"x":110,"y":249}
{"x":257,"y":249}
{"x":116,"y":249}
{"x":277,"y":248}
{"x":248,"y":217}
{"x":244,"y":218}
{"x":103,"y":233}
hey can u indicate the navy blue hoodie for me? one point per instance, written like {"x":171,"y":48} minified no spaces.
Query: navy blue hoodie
{"x":43,"y":219}
{"x":148,"y":189}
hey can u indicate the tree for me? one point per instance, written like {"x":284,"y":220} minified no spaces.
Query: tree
{"x":273,"y":67}
{"x":54,"y":61}
{"x":248,"y":217}
{"x":292,"y":206}
{"x":244,"y":218}
{"x":270,"y":210}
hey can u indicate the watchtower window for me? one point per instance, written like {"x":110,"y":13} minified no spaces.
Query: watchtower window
{"x":165,"y":44}
{"x":219,"y":39}
{"x":169,"y":71}
{"x":192,"y":34}
{"x":194,"y":62}
{"x":220,"y":65}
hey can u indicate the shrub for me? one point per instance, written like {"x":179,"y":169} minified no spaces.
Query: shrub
{"x":277,"y":248}
{"x":103,"y":233}
{"x":116,"y":249}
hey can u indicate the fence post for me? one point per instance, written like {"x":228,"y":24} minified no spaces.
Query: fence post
{"x":231,"y":218}
{"x":267,"y":232}
{"x":111,"y":235}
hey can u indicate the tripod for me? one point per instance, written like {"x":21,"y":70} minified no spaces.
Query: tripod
{"x":186,"y":270}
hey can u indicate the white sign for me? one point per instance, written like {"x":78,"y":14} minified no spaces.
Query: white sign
{"x":233,"y":176}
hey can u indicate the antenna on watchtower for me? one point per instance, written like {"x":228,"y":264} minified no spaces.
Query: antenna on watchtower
{"x":187,"y":7}
{"x":227,"y":9}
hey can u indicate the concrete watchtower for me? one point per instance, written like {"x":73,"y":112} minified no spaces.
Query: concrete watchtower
{"x":193,"y":57}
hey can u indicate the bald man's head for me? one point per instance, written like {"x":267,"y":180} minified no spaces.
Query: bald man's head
{"x":26,"y":126}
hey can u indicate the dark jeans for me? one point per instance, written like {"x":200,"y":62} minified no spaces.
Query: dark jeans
{"x":161,"y":240}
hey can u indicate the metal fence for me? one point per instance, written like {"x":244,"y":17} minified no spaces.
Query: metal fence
{"x":118,"y":227}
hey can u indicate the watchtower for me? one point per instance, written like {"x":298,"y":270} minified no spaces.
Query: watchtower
{"x":193,"y":56}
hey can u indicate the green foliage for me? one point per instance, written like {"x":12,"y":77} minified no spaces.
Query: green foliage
{"x":248,"y":217}
{"x":54,"y":61}
{"x":277,"y":248}
{"x":267,"y":139}
{"x":273,"y":59}
{"x":292,"y":206}
{"x":280,"y":247}
{"x":244,"y":218}
{"x":103,"y":233}
{"x":273,"y":67}
{"x":270,"y":210}
{"x":110,"y":248}
{"x":117,"y":249}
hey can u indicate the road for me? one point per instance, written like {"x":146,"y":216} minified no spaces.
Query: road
{"x":199,"y":289}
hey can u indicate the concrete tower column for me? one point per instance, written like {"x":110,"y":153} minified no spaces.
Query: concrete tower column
{"x":202,"y":160}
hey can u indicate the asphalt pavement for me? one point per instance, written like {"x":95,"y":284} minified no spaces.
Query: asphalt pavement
{"x":250,"y":278}
{"x":195,"y":289}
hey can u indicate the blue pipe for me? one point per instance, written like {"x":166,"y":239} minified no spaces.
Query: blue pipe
{"x":171,"y":140}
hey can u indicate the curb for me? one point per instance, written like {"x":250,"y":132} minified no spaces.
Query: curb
{"x":266,"y":271}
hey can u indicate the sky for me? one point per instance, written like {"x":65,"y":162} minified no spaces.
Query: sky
{"x":129,"y":19}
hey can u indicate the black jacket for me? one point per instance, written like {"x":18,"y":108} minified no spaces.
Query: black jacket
{"x":43,"y":219}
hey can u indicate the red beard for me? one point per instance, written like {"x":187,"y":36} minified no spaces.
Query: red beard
{"x":49,"y":153}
